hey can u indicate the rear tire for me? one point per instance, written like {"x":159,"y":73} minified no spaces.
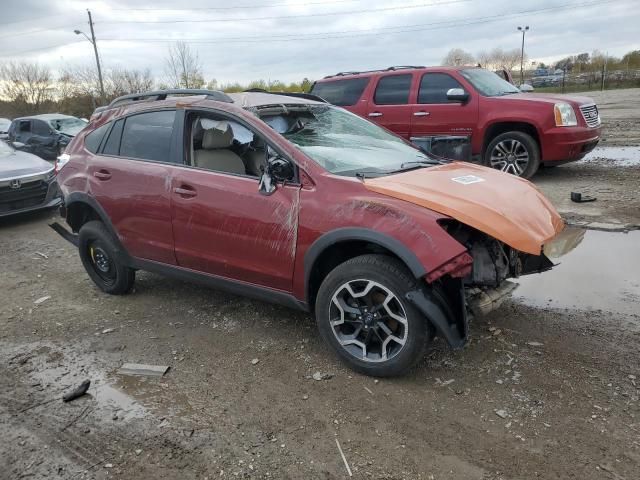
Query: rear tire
{"x":377,"y":331}
{"x":101,"y":258}
{"x":513,"y":152}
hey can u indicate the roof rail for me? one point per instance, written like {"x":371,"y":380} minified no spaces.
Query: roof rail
{"x":163,"y":94}
{"x":308,"y":96}
{"x":392,"y":68}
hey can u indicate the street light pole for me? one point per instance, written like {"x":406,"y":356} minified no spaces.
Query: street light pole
{"x":92,"y":40}
{"x":523,"y":30}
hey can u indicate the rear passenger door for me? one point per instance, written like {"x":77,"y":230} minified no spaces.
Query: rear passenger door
{"x":130,"y":177}
{"x":390,"y":106}
{"x":436,"y":116}
{"x":43,"y":140}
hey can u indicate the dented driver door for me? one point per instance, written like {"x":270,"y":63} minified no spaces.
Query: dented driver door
{"x":223,"y":226}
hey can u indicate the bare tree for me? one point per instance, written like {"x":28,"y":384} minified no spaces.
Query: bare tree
{"x":123,"y":81}
{"x":458,"y":57}
{"x":499,"y":58}
{"x":28,"y":83}
{"x":183,"y":68}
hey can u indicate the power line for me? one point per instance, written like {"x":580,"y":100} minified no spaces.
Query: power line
{"x":37,"y":31}
{"x":236,"y":7}
{"x":278,"y":17}
{"x":367,"y":32}
{"x":15,"y":53}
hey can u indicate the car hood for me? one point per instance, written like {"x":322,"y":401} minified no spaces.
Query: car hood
{"x":22,"y":164}
{"x":504,"y":207}
{"x":547,"y":98}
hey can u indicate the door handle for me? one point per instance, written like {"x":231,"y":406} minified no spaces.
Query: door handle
{"x":102,"y":175}
{"x":185,"y":191}
{"x":421,"y":114}
{"x":375,"y":114}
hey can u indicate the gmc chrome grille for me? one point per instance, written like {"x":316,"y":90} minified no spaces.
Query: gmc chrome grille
{"x":590,"y":115}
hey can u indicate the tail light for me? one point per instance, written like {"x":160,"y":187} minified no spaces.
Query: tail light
{"x":61,"y":161}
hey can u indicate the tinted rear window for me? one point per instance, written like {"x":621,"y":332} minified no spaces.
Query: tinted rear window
{"x":112,"y":147}
{"x":148,"y":136}
{"x":393,"y":90}
{"x":341,"y":92}
{"x":93,"y":140}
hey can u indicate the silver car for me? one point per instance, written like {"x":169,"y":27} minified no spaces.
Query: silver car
{"x":26,"y":182}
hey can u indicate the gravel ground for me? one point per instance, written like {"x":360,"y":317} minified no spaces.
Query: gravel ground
{"x":541,"y":391}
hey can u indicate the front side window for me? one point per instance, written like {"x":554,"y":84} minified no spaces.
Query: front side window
{"x":40,"y":128}
{"x":225,"y":145}
{"x":343,"y":93}
{"x":393,"y":90}
{"x":488,"y":83}
{"x":148,"y":136}
{"x":341,"y":142}
{"x":25,"y":126}
{"x":434,"y":87}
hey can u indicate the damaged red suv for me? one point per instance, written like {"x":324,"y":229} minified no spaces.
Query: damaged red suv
{"x":288,"y":199}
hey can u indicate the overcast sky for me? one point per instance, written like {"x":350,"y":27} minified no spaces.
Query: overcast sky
{"x":291,"y":39}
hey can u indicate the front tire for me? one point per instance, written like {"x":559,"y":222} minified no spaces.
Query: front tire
{"x":513,"y":152}
{"x":362,"y":313}
{"x":100,"y":257}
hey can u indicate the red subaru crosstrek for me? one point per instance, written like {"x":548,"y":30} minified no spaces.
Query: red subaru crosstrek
{"x":473,"y":110}
{"x":289,"y":199}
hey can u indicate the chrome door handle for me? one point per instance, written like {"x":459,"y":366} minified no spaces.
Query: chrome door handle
{"x":375,"y":114}
{"x":421,"y":114}
{"x":185,"y":192}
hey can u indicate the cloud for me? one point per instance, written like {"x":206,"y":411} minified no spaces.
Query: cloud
{"x":307,"y":40}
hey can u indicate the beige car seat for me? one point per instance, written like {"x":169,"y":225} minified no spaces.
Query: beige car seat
{"x":215,"y":154}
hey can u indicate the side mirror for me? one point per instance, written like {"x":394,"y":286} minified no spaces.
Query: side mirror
{"x":525,"y":87}
{"x":278,"y":169}
{"x":457,"y":95}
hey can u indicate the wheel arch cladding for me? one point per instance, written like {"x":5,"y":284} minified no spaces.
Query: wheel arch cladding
{"x":338,"y":246}
{"x":498,"y":128}
{"x":82,"y":208}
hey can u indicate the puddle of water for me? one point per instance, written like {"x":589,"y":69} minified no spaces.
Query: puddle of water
{"x":602,"y":273}
{"x":622,"y":156}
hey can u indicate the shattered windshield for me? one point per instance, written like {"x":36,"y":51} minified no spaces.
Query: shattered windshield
{"x":488,"y":83}
{"x":342,"y":142}
{"x":70,"y":126}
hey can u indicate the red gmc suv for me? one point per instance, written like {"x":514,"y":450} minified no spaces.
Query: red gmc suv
{"x":289,"y":199}
{"x":508,"y":130}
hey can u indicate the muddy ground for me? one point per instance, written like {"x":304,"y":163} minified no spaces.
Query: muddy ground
{"x":547,"y":387}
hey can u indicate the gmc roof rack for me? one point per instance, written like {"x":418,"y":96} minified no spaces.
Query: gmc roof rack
{"x":163,"y":94}
{"x":392,"y":68}
{"x":308,"y":96}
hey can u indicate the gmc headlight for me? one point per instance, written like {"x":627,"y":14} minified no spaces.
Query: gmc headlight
{"x":565,"y":115}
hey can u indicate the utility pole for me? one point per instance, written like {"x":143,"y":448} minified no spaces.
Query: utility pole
{"x":92,"y":40}
{"x":95,"y":50}
{"x":523,"y":30}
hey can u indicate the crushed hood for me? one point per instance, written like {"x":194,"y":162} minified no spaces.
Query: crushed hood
{"x":504,"y":207}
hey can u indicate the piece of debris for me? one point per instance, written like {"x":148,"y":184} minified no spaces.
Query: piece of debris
{"x":77,"y":392}
{"x":141,"y":369}
{"x":368,"y":390}
{"x":499,"y":382}
{"x":535,"y":344}
{"x":578,"y":197}
{"x":321,"y":376}
{"x":42,"y":299}
{"x":344,"y":459}
{"x":42,"y":255}
{"x":305,"y":397}
{"x":138,"y":451}
{"x":108,"y":330}
{"x":501,"y":413}
{"x":255,"y":361}
{"x":108,"y":465}
{"x":445,"y":383}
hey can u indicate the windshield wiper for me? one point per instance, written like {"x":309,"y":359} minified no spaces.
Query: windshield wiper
{"x":417,"y":164}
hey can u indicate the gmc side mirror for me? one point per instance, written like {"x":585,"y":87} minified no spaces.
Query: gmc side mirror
{"x":457,"y":95}
{"x":525,"y":87}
